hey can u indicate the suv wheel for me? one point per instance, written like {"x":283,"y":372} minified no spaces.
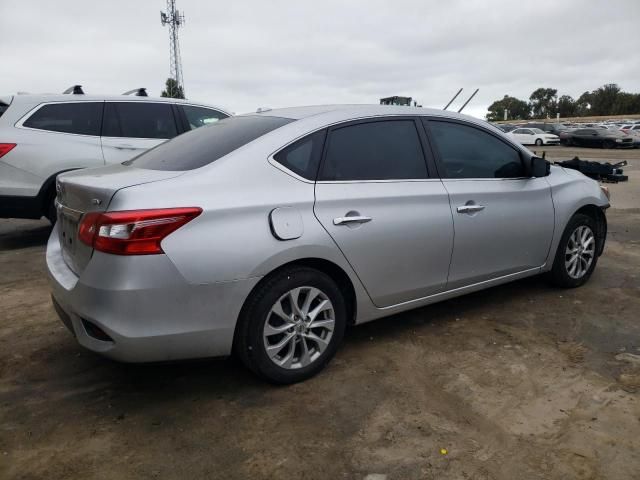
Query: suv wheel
{"x":50,"y":208}
{"x":292,"y":325}
{"x":576,"y":256}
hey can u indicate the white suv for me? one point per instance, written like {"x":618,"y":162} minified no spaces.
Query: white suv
{"x":44,"y":135}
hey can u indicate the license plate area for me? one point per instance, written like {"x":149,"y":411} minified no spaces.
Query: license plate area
{"x":68,"y":229}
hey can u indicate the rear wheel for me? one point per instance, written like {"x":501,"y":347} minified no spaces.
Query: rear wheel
{"x":50,"y":208}
{"x":576,"y":256}
{"x":292,"y":325}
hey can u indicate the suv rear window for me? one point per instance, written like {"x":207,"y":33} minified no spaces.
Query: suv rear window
{"x":82,"y":118}
{"x":139,"y":120}
{"x":205,"y":145}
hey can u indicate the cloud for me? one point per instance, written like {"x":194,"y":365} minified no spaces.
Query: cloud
{"x":249,"y":53}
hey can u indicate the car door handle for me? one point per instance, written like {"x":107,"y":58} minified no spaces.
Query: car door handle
{"x":470,"y":208}
{"x":354,"y":219}
{"x":125,"y":147}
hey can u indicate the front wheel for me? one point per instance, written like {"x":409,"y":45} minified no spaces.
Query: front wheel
{"x":292,"y":325}
{"x":539,"y":142}
{"x":608,"y":144}
{"x":576,"y":256}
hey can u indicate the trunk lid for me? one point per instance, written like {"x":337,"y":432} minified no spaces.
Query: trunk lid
{"x":91,"y":190}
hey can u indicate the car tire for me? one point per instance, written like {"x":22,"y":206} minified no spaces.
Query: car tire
{"x":608,"y":144}
{"x":573,"y":252}
{"x":304,"y":349}
{"x":50,"y":209}
{"x":539,"y":142}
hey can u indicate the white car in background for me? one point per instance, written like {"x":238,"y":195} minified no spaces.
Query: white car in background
{"x":534,"y":136}
{"x":42,"y":136}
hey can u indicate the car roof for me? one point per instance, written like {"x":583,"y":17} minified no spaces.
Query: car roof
{"x":346,"y":112}
{"x":46,"y":98}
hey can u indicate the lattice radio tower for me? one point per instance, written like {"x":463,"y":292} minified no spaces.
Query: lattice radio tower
{"x":175,"y":20}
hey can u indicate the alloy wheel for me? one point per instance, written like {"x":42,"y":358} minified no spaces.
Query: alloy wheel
{"x":580,"y":252}
{"x":299,"y":327}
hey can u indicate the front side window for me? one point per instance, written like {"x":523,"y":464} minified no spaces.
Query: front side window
{"x":82,"y":118}
{"x":469,"y":152}
{"x":205,"y":145}
{"x":201,"y":116}
{"x":383,"y":150}
{"x":303,"y":156}
{"x":139,"y":120}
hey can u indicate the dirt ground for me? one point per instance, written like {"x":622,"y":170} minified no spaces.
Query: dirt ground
{"x":520,"y":381}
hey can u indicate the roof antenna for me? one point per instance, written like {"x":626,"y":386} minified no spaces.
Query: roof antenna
{"x":76,"y":90}
{"x":465,"y":103}
{"x":451,"y":101}
{"x":138,"y":92}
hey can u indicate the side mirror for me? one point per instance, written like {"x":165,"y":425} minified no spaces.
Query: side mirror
{"x":539,"y":167}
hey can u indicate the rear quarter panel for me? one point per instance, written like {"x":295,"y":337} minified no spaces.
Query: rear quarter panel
{"x":232,"y":239}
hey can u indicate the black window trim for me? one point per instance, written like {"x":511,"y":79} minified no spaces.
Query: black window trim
{"x":440,"y":168}
{"x":426,"y":152}
{"x":176,"y":120}
{"x":30,"y":113}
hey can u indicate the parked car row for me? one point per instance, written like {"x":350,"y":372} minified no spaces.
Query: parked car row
{"x":602,"y":135}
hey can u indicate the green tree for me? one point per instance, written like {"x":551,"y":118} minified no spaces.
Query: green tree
{"x":605,"y":100}
{"x":172,"y":89}
{"x":543,"y":102}
{"x":628,"y":103}
{"x":583,"y":105}
{"x":516,"y":109}
{"x":567,"y":106}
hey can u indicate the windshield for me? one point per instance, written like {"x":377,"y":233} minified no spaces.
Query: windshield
{"x":537,"y":130}
{"x":207,"y":144}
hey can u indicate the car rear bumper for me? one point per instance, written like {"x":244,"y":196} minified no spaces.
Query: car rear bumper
{"x":140,"y":309}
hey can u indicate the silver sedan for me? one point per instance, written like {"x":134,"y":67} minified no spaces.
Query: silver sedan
{"x":267,"y":234}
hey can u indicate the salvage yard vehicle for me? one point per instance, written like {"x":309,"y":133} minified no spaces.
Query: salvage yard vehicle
{"x":266,"y":234}
{"x":596,"y":137}
{"x":533,"y":136}
{"x":44,"y":135}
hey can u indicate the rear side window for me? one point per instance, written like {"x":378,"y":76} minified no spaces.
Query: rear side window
{"x":469,"y":152}
{"x":205,"y":145}
{"x":303,"y":156}
{"x":139,"y":120}
{"x":201,"y":116}
{"x":3,"y":108}
{"x":81,"y":118}
{"x":384,"y":150}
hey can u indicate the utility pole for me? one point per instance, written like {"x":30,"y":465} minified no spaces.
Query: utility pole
{"x":175,"y":20}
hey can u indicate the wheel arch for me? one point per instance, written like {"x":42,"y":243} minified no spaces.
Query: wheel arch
{"x":333,"y":270}
{"x":600,"y":218}
{"x":48,"y":187}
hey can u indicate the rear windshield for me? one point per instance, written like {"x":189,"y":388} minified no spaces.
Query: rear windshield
{"x":204,"y":145}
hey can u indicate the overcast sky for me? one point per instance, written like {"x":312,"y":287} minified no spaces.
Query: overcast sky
{"x":245,"y":54}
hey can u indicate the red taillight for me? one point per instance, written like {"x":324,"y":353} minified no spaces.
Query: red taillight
{"x":6,"y":148}
{"x":133,"y":232}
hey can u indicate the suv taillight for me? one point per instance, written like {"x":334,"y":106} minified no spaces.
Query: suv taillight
{"x":133,"y":232}
{"x":6,"y":148}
